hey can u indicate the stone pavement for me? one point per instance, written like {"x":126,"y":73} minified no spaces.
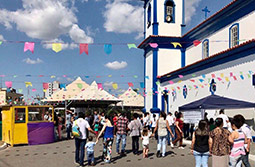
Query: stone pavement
{"x":61,"y":154}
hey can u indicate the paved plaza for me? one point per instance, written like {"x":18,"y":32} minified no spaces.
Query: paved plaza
{"x":61,"y":154}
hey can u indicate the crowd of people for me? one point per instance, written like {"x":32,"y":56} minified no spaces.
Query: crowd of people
{"x":227,"y":141}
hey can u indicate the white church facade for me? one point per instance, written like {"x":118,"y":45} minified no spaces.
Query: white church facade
{"x":182,"y":68}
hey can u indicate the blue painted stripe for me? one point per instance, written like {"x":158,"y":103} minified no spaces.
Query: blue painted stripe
{"x":183,"y":58}
{"x":155,"y":21}
{"x":154,"y":78}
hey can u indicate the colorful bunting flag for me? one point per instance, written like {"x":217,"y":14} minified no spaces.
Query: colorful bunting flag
{"x":130,"y":84}
{"x":20,"y":90}
{"x":79,"y":85}
{"x":235,"y":78}
{"x":157,"y":83}
{"x":171,"y":82}
{"x":176,"y":44}
{"x":8,"y":84}
{"x":33,"y":90}
{"x":219,"y":78}
{"x":57,"y":47}
{"x":2,"y":75}
{"x":180,"y":81}
{"x":64,"y":76}
{"x":109,"y":76}
{"x":222,"y":75}
{"x":213,"y":75}
{"x":52,"y":76}
{"x":147,"y":77}
{"x":86,"y":76}
{"x":142,"y":84}
{"x":62,"y":86}
{"x":28,"y":84}
{"x":29,"y":46}
{"x":45,"y":85}
{"x":1,"y":42}
{"x":131,"y":45}
{"x":135,"y":76}
{"x":203,"y":75}
{"x":249,"y":76}
{"x":115,"y":86}
{"x":14,"y":76}
{"x":231,"y":74}
{"x":84,"y":47}
{"x":108,"y":48}
{"x":242,"y":77}
{"x":193,"y":75}
{"x":201,"y":80}
{"x":227,"y":79}
{"x":100,"y":86}
{"x":153,"y":45}
{"x":180,"y":76}
{"x":192,"y":80}
{"x":196,"y":42}
{"x":28,"y":75}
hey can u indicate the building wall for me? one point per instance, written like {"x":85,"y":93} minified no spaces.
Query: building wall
{"x":168,"y":60}
{"x":148,"y":82}
{"x":240,"y":89}
{"x":246,"y":32}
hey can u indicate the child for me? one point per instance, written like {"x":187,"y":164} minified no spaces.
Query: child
{"x":90,"y":151}
{"x":96,"y":126}
{"x":238,"y":139}
{"x":145,"y":137}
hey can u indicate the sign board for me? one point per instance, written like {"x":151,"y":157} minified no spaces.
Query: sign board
{"x":192,"y":117}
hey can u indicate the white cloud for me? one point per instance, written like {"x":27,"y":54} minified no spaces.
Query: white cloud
{"x":190,"y":9}
{"x":122,"y":17}
{"x":45,"y":20}
{"x":30,"y":61}
{"x":1,"y":37}
{"x":116,"y":65}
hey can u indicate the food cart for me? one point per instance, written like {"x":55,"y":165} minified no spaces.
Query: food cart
{"x":31,"y":125}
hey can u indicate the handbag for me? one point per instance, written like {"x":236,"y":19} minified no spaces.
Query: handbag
{"x":76,"y":130}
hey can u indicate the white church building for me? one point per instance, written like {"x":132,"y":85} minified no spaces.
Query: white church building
{"x":216,"y":57}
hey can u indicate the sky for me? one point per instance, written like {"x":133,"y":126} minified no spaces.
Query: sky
{"x":97,"y":22}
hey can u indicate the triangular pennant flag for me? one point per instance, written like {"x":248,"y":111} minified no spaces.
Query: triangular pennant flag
{"x":1,"y":42}
{"x":176,"y":44}
{"x":249,"y":76}
{"x":52,"y":76}
{"x":29,"y":46}
{"x":180,"y":76}
{"x":213,"y":75}
{"x":219,"y":78}
{"x":227,"y":79}
{"x":20,"y":90}
{"x":222,"y":75}
{"x":33,"y":90}
{"x":79,"y":85}
{"x":130,"y":84}
{"x":135,"y":76}
{"x":115,"y":86}
{"x":192,"y":80}
{"x":131,"y":45}
{"x":242,"y":77}
{"x":147,"y":77}
{"x":201,"y":80}
{"x":142,"y":84}
{"x":108,"y":48}
{"x":158,"y":83}
{"x":171,"y":82}
{"x":153,"y":45}
{"x":44,"y":90}
{"x":180,"y":81}
{"x":28,"y":84}
{"x":57,"y":47}
{"x":84,"y":47}
{"x":45,"y":85}
{"x":203,"y":75}
{"x":231,"y":74}
{"x":109,"y":76}
{"x":235,"y":78}
{"x":193,"y":75}
{"x":100,"y":86}
{"x":14,"y":76}
{"x":196,"y":42}
{"x":86,"y":76}
{"x":8,"y":84}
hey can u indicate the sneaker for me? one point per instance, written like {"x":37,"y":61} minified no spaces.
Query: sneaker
{"x":182,"y":148}
{"x":158,"y":154}
{"x":77,"y":163}
{"x":172,"y":146}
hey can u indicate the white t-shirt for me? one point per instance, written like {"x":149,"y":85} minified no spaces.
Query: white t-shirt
{"x":146,"y":139}
{"x":170,"y":120}
{"x":153,"y":122}
{"x":225,"y":119}
{"x":83,"y":125}
{"x":247,"y":131}
{"x":146,"y":121}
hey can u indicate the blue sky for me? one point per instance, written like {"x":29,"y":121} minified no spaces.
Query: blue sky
{"x":78,"y":21}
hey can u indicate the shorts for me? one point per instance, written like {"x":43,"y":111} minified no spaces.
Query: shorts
{"x":145,"y":146}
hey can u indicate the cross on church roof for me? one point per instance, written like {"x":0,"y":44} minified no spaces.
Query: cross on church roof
{"x":206,"y":11}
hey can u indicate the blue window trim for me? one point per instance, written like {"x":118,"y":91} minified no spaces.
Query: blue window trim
{"x":149,"y":16}
{"x":205,"y":56}
{"x":236,"y":24}
{"x":173,"y":21}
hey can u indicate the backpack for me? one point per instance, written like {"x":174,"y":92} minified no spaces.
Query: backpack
{"x":76,"y":130}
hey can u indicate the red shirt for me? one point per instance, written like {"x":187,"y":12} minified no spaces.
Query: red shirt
{"x":115,"y":119}
{"x":180,"y":123}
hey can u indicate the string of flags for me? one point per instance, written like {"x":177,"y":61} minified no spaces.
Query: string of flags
{"x":84,"y":47}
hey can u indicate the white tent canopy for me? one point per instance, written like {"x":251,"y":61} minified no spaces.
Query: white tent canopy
{"x":131,"y":99}
{"x":73,"y":89}
{"x":93,"y":93}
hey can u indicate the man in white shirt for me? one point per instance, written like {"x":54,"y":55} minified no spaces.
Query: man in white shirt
{"x":80,"y":141}
{"x":146,"y":121}
{"x":225,"y":118}
{"x":247,"y":131}
{"x":170,"y":120}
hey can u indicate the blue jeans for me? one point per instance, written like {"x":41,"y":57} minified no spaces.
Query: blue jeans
{"x":162,"y":142}
{"x":169,"y":137}
{"x":201,"y":158}
{"x":90,"y":157}
{"x":68,"y":131}
{"x":79,"y":150}
{"x":235,"y":161}
{"x":123,"y":138}
{"x":245,"y":159}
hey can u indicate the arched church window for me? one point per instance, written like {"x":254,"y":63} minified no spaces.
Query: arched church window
{"x":149,"y":16}
{"x":205,"y":52}
{"x":169,"y":11}
{"x":234,"y":35}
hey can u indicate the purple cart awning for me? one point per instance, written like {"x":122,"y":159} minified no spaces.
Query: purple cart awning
{"x":40,"y":133}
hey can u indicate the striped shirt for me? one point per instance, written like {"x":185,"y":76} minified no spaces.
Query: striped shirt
{"x":238,"y":146}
